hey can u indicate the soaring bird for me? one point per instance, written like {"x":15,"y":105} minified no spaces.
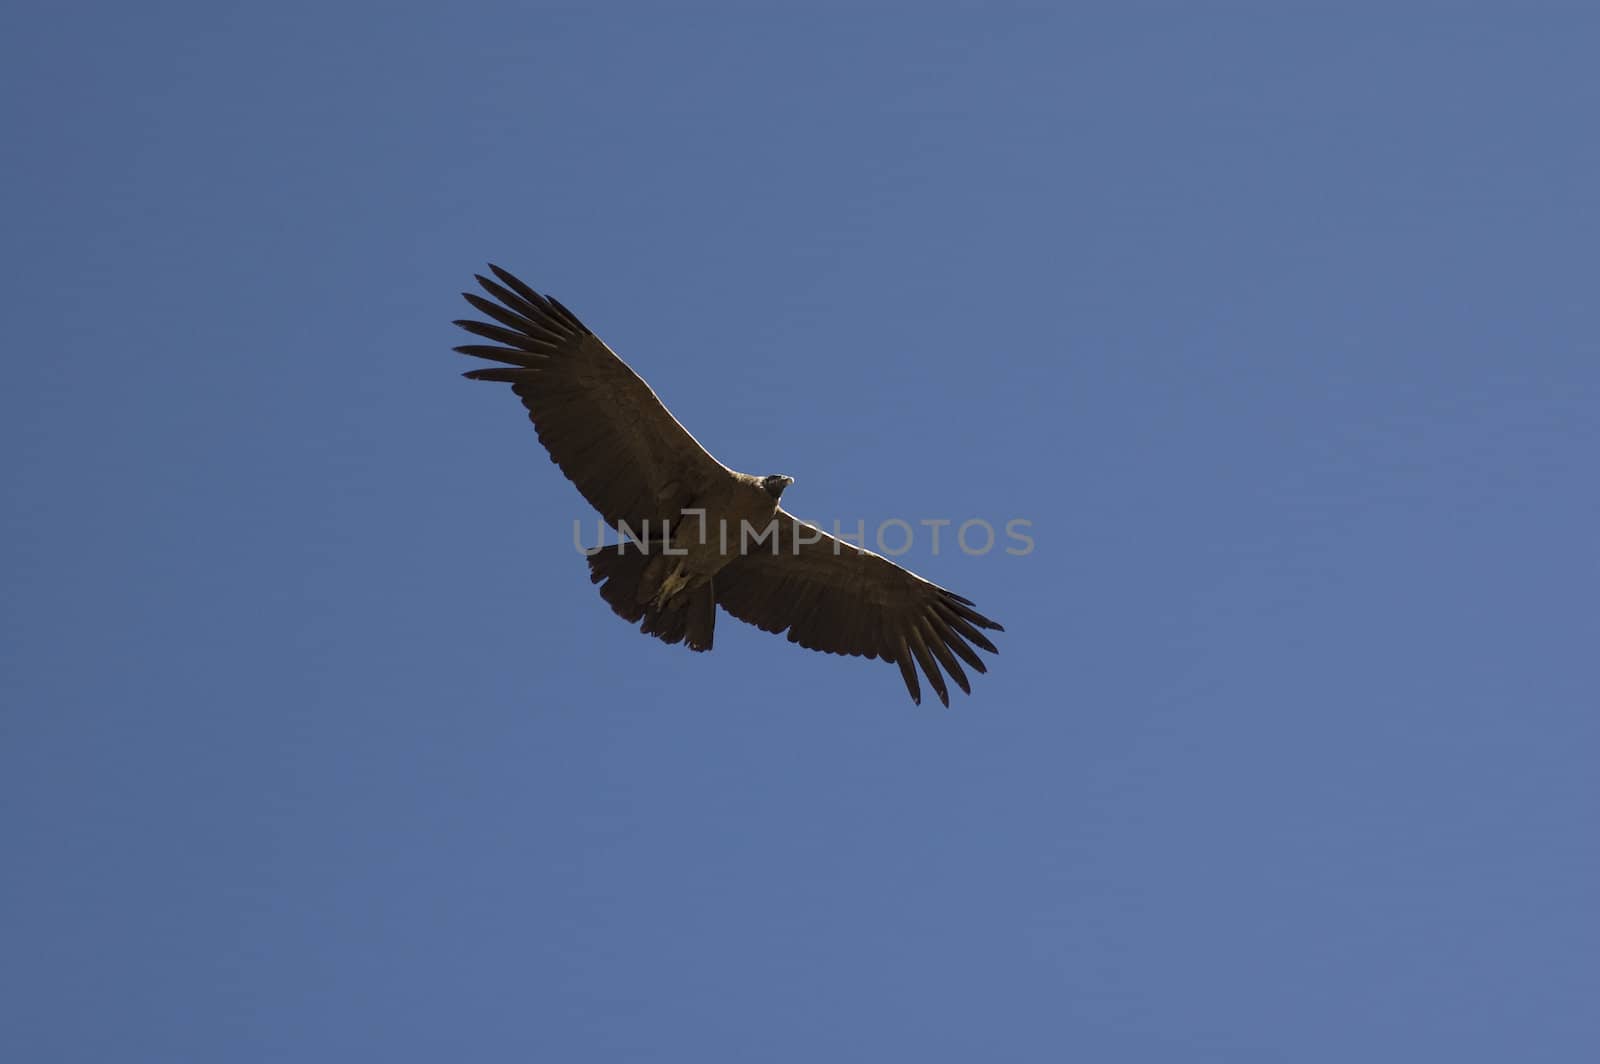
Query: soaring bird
{"x":696,"y":534}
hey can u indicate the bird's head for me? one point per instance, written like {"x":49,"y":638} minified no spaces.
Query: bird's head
{"x":775,"y":484}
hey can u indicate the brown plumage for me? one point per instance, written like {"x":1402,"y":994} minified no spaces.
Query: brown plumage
{"x":648,"y":477}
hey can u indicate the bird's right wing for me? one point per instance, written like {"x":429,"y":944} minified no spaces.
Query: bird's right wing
{"x":838,"y":598}
{"x":598,"y":419}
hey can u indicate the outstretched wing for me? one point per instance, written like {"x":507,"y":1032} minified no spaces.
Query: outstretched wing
{"x":598,"y":419}
{"x":840,"y":599}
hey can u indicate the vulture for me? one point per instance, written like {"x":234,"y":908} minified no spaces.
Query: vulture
{"x":695,"y":534}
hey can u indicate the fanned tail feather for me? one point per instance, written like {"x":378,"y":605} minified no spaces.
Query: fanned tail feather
{"x":690,"y":618}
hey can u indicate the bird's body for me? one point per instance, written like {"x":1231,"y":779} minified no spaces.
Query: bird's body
{"x":695,"y":534}
{"x":676,"y":575}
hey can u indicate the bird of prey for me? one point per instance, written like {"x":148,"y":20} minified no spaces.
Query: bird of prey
{"x":684,"y":514}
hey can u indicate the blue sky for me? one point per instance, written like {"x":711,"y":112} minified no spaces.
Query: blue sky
{"x":1278,"y":323}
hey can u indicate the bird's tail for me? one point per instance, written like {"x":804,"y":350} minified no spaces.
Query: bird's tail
{"x":689,"y":618}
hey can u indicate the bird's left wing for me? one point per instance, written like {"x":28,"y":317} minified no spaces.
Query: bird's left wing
{"x":840,"y":599}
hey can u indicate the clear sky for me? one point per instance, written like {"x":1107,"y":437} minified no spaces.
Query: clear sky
{"x":1278,"y":323}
